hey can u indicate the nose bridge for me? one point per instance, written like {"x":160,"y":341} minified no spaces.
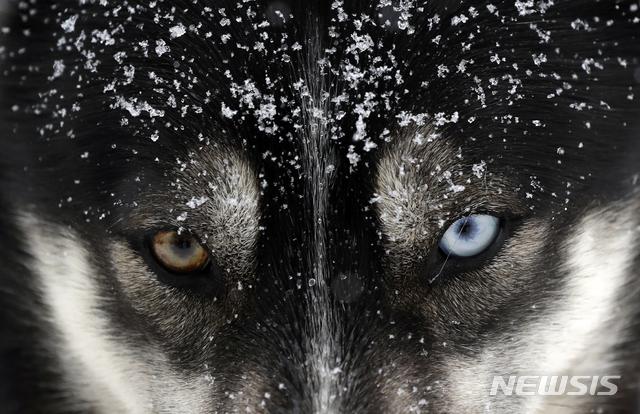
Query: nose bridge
{"x":323,"y":314}
{"x":340,"y":295}
{"x":321,"y":300}
{"x":322,"y":336}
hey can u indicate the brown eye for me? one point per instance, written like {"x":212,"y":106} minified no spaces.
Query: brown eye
{"x":179,"y":253}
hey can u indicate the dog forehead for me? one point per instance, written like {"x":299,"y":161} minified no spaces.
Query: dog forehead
{"x":168,"y":79}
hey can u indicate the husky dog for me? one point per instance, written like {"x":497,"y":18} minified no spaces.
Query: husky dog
{"x":226,"y":206}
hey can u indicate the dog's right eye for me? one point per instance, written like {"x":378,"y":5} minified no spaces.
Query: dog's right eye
{"x":470,"y":236}
{"x":178,"y":253}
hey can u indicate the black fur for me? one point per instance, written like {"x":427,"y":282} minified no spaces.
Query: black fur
{"x":90,"y":136}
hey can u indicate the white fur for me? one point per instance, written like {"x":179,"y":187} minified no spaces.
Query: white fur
{"x":318,"y":156}
{"x":95,"y":360}
{"x":573,"y":337}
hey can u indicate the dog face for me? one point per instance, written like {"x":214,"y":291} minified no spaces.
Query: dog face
{"x":326,"y":207}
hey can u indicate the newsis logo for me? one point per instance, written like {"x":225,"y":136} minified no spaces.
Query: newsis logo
{"x":555,"y":385}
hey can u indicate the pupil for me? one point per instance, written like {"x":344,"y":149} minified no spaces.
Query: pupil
{"x":184,"y":243}
{"x":466,"y":229}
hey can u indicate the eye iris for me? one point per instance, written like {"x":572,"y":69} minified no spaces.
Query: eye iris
{"x":179,"y":253}
{"x":470,"y":236}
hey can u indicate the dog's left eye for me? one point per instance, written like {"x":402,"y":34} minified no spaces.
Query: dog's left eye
{"x":178,"y":253}
{"x":470,"y":236}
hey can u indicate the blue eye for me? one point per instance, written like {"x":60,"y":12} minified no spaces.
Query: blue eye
{"x":470,"y":235}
